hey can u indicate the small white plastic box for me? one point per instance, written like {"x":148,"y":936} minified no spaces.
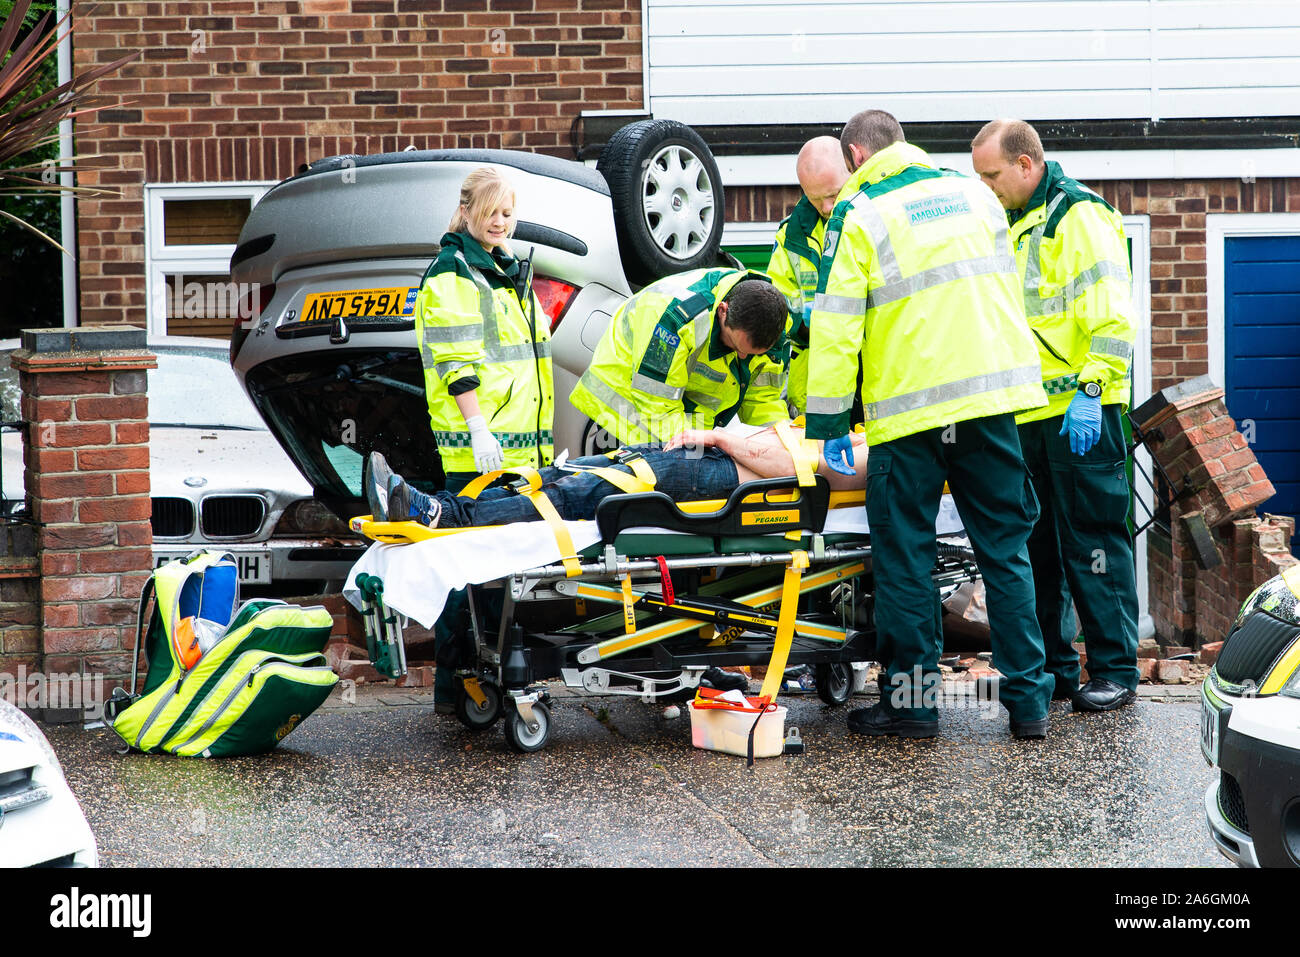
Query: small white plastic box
{"x":716,"y":729}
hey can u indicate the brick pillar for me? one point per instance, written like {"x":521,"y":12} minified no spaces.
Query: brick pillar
{"x":1203,"y":571}
{"x":87,"y":481}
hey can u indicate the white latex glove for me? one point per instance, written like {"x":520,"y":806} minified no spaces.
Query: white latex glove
{"x":487,"y":450}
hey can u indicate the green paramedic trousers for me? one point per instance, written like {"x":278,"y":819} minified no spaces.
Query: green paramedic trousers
{"x":981,"y":460}
{"x":1081,"y":547}
{"x":454,"y":622}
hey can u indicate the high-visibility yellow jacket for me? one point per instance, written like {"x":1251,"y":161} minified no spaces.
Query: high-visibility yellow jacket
{"x":796,"y":259}
{"x":1073,"y":260}
{"x":480,"y":327}
{"x":662,"y":367}
{"x":918,"y":277}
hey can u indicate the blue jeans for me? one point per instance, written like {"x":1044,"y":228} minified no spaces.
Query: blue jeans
{"x":682,"y":475}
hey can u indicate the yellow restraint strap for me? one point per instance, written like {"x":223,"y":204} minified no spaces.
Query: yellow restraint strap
{"x":784,"y":625}
{"x":804,"y":454}
{"x":544,"y":507}
{"x":803,"y":451}
{"x":642,"y":478}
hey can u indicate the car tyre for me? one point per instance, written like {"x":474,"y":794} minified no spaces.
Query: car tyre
{"x":668,"y":199}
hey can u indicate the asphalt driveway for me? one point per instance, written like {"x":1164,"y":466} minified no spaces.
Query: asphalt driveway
{"x":385,"y":781}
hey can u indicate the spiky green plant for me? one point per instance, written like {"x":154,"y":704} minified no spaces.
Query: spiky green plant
{"x":30,"y":112}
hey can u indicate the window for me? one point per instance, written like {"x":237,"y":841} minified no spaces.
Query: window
{"x":190,"y":234}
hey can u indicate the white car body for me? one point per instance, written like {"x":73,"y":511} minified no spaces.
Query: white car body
{"x":41,"y":823}
{"x":1250,"y":730}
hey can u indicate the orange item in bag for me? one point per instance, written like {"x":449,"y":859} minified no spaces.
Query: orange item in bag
{"x":187,"y":643}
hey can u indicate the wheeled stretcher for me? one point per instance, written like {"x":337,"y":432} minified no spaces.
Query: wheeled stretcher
{"x":643,"y":600}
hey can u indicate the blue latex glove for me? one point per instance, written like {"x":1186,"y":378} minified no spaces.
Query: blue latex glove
{"x":838,"y":454}
{"x":1083,"y":421}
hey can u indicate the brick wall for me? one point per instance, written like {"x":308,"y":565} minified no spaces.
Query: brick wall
{"x":233,"y":90}
{"x":1194,"y":606}
{"x":87,"y":481}
{"x":760,"y":204}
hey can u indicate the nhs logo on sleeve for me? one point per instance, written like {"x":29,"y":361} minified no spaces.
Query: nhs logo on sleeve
{"x":923,"y":211}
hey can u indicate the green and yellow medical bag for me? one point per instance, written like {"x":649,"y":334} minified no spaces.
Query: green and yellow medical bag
{"x":223,"y":678}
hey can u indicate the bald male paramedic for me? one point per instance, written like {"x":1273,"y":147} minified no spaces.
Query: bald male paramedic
{"x":919,"y":282}
{"x":1073,"y":260}
{"x":797,"y":252}
{"x":689,"y":351}
{"x":695,"y":465}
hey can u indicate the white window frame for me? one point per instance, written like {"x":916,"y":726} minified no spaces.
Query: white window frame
{"x":161,"y":260}
{"x":1218,"y":227}
{"x":749,"y":234}
{"x":1138,"y":230}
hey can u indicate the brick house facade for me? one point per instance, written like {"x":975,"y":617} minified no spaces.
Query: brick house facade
{"x":236,"y":91}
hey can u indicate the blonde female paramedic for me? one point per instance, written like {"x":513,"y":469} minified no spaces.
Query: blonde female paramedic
{"x":484,"y":341}
{"x":486,"y":351}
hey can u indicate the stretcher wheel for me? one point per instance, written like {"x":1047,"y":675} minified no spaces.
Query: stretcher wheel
{"x":834,"y":682}
{"x":524,"y":739}
{"x":471,"y":715}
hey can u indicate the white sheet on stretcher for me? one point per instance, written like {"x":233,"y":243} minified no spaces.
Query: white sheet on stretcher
{"x":418,"y":577}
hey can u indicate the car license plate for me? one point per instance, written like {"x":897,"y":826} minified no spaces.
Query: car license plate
{"x":350,"y":303}
{"x":254,"y":566}
{"x":1213,"y":721}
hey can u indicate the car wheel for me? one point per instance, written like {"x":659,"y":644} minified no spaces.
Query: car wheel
{"x":668,"y":201}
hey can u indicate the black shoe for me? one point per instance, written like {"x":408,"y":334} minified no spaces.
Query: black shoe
{"x":1064,"y":689}
{"x":1034,"y":730}
{"x":375,"y":482}
{"x":877,"y":721}
{"x":1102,"y":695}
{"x":725,"y":680}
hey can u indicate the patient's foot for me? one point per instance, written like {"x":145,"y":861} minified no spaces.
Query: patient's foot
{"x":376,"y":481}
{"x":406,"y":503}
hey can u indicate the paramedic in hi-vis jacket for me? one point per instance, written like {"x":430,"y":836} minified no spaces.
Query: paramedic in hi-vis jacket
{"x":484,"y":341}
{"x":485,"y":346}
{"x":918,"y":278}
{"x":1073,"y":260}
{"x":797,"y":253}
{"x":690,"y":351}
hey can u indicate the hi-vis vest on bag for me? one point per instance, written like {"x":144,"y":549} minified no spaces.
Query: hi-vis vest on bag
{"x":1073,"y":259}
{"x":917,"y":276}
{"x":661,"y":366}
{"x":794,"y":266}
{"x":224,"y":678}
{"x":472,"y":320}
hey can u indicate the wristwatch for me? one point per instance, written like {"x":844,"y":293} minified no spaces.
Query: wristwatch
{"x":1091,"y":389}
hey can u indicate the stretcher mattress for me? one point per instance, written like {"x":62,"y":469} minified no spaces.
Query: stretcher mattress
{"x":418,"y":577}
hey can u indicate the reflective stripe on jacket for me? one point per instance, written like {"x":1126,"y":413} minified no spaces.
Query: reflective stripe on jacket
{"x":470,"y":320}
{"x":1078,"y":290}
{"x":661,"y":366}
{"x":794,"y":266}
{"x":917,"y":277}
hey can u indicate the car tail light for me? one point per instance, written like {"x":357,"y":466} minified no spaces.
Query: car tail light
{"x":555,"y":297}
{"x":249,"y":314}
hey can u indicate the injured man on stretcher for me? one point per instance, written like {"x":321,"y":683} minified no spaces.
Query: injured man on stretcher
{"x":697,"y":464}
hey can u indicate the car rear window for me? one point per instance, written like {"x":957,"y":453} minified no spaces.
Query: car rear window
{"x":192,"y":387}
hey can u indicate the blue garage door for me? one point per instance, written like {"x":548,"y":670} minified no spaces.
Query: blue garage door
{"x":1262,"y":355}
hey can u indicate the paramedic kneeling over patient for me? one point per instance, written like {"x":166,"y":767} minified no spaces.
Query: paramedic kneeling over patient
{"x":696,"y":464}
